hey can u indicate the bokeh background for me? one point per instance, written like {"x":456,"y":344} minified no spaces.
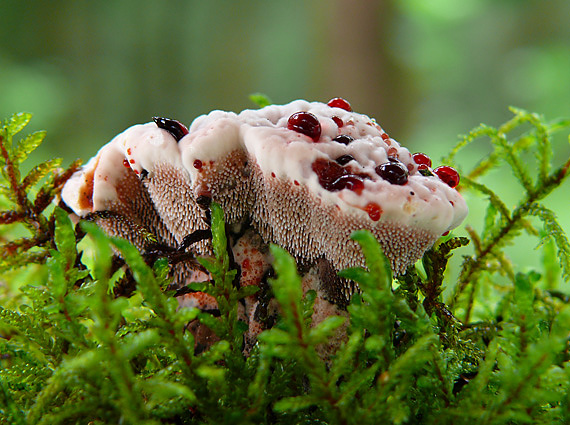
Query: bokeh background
{"x":428,"y":71}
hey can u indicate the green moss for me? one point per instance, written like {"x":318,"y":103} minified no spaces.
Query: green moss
{"x":71,"y":352}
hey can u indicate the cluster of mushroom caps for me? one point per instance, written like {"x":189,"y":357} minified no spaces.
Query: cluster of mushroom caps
{"x":304,"y":175}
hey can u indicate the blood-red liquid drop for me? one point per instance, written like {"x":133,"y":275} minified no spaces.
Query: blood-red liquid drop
{"x":344,"y":159}
{"x":350,"y":182}
{"x":448,"y":175}
{"x":394,"y":172}
{"x":305,"y":123}
{"x":338,"y":121}
{"x":344,"y":139}
{"x":374,"y":211}
{"x":339,"y":102}
{"x":421,"y":159}
{"x":174,"y":127}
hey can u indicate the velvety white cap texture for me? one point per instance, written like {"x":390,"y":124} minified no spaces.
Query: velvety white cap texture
{"x":268,"y":158}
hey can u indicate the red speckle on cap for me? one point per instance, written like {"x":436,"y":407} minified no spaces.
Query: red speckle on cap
{"x":126,"y":163}
{"x":128,"y":151}
{"x":132,"y":161}
{"x":246,"y":264}
{"x":385,"y":136}
{"x":197,"y":164}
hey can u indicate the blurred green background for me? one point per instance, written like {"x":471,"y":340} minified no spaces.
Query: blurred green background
{"x":426,"y":70}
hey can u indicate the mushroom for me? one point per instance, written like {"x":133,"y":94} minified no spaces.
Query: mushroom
{"x":304,"y":175}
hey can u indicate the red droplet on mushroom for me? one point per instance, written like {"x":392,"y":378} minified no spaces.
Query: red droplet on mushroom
{"x":447,"y":175}
{"x":327,"y":172}
{"x":197,"y":164}
{"x":422,"y":159}
{"x":339,"y":102}
{"x":344,"y":159}
{"x":344,"y":139}
{"x":174,"y":127}
{"x":132,"y":161}
{"x":385,"y":136}
{"x":126,"y":163}
{"x":305,"y":123}
{"x":338,"y":121}
{"x":350,"y":182}
{"x":445,"y":233}
{"x":374,"y":211}
{"x":394,"y":172}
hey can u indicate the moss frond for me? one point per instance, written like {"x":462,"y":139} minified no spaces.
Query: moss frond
{"x":27,"y":202}
{"x":500,"y":231}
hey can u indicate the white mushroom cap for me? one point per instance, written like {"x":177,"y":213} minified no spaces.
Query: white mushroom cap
{"x":94,"y":187}
{"x":256,"y":167}
{"x":425,"y":201}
